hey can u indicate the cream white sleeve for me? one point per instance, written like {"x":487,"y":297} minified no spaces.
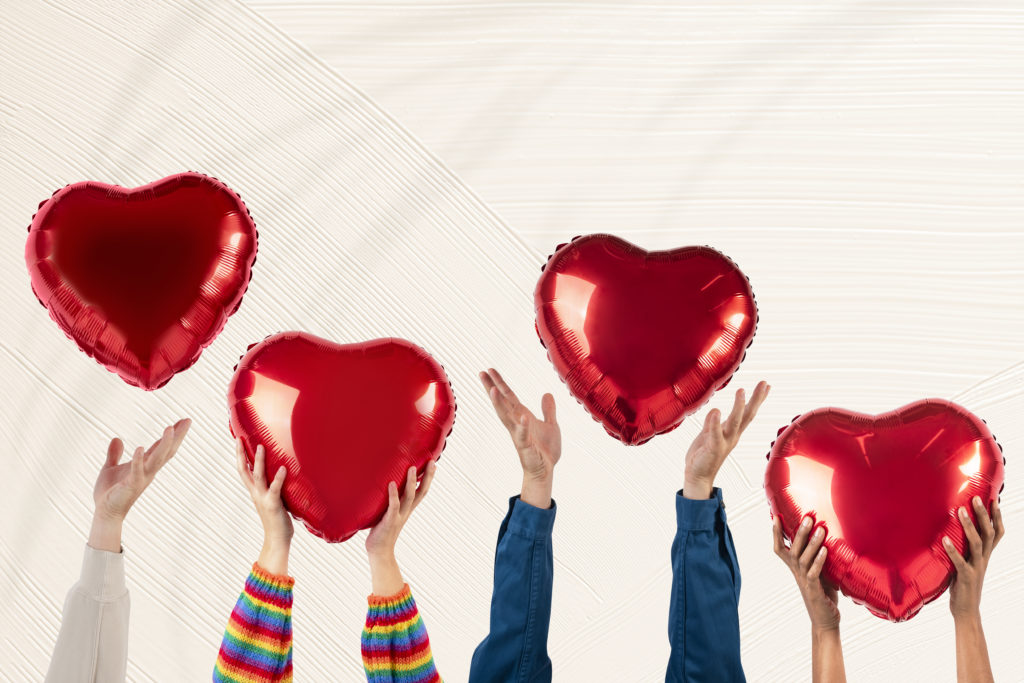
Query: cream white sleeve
{"x":92,"y":646}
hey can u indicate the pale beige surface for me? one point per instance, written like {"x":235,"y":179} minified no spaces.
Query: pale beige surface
{"x":862,"y":163}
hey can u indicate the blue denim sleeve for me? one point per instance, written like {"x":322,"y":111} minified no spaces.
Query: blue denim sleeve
{"x":703,"y":622}
{"x":516,"y":649}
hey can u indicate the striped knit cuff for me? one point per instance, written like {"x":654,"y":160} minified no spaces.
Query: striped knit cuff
{"x":395,"y":644}
{"x":279,"y":581}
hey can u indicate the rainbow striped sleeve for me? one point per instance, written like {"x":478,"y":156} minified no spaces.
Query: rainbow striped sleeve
{"x":257,"y":645}
{"x":395,"y":645}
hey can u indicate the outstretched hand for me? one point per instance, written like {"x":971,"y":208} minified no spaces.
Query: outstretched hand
{"x":538,"y":441}
{"x":119,"y":484}
{"x":716,"y":440}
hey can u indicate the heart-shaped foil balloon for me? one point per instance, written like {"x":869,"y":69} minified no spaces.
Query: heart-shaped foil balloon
{"x":642,"y":339}
{"x":346,"y":419}
{"x":142,"y":279}
{"x":886,"y":488}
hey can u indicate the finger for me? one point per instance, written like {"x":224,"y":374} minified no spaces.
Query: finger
{"x":521,"y":431}
{"x":503,"y":388}
{"x":777,"y":543}
{"x":997,"y":522}
{"x":732,"y":423}
{"x":814,"y":572}
{"x":166,"y":451}
{"x":500,"y":406}
{"x":715,"y":431}
{"x":750,"y":412}
{"x":394,"y":502}
{"x":424,"y":486}
{"x":973,"y":539}
{"x":151,"y":458}
{"x":181,"y":428}
{"x":114,"y":452}
{"x":796,"y":548}
{"x":243,"y":466}
{"x":278,"y":483}
{"x":956,"y":558}
{"x":486,"y":380}
{"x":809,"y":554}
{"x":137,"y":473}
{"x":547,"y":408}
{"x":259,"y":470}
{"x":409,"y":493}
{"x":988,"y":531}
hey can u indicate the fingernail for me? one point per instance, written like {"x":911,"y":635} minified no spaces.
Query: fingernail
{"x":818,"y":532}
{"x":977,"y":500}
{"x":963,"y":512}
{"x":823,"y":550}
{"x":946,"y":541}
{"x":806,"y":522}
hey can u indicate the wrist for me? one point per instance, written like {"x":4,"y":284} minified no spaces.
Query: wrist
{"x":967,"y":618}
{"x":385,"y":575}
{"x":697,"y":488}
{"x":274,"y":556}
{"x":105,"y":532}
{"x":536,"y":491}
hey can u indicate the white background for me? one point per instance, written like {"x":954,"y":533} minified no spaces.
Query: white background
{"x":409,"y":167}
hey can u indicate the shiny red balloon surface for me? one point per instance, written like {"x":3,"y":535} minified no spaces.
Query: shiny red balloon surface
{"x":642,"y":339}
{"x":142,"y":279}
{"x":886,"y":488}
{"x":345,"y":420}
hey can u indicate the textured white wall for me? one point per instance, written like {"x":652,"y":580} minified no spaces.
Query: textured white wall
{"x":862,"y":163}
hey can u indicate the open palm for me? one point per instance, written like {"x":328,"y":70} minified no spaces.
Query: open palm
{"x":119,"y":484}
{"x":538,"y":441}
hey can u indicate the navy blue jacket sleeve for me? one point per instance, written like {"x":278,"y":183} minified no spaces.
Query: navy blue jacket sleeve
{"x":515,"y":650}
{"x":703,"y":622}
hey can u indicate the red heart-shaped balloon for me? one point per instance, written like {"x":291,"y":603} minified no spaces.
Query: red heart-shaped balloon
{"x":642,"y":339}
{"x":142,"y":279}
{"x":886,"y":488}
{"x":346,"y":419}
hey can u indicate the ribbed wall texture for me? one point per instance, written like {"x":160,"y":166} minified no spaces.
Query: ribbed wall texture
{"x":409,"y":166}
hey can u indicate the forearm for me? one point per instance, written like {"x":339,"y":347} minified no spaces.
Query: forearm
{"x":703,"y":618}
{"x":394,"y":643}
{"x":516,"y":646}
{"x":92,"y":645}
{"x":105,"y":533}
{"x":257,"y":644}
{"x":972,"y":664}
{"x":827,"y":665}
{"x":385,"y":574}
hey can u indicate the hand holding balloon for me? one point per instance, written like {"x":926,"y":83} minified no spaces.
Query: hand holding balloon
{"x":716,"y":440}
{"x":277,"y":523}
{"x":380,"y":543}
{"x":805,"y":557}
{"x":538,"y":442}
{"x":120,"y":484}
{"x":972,"y":662}
{"x":965,"y":592}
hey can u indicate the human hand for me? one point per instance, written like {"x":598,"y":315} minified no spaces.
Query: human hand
{"x":119,"y":484}
{"x":380,"y":542}
{"x":277,"y":523}
{"x":538,"y":442}
{"x":805,"y":558}
{"x":965,"y":592}
{"x":716,"y":440}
